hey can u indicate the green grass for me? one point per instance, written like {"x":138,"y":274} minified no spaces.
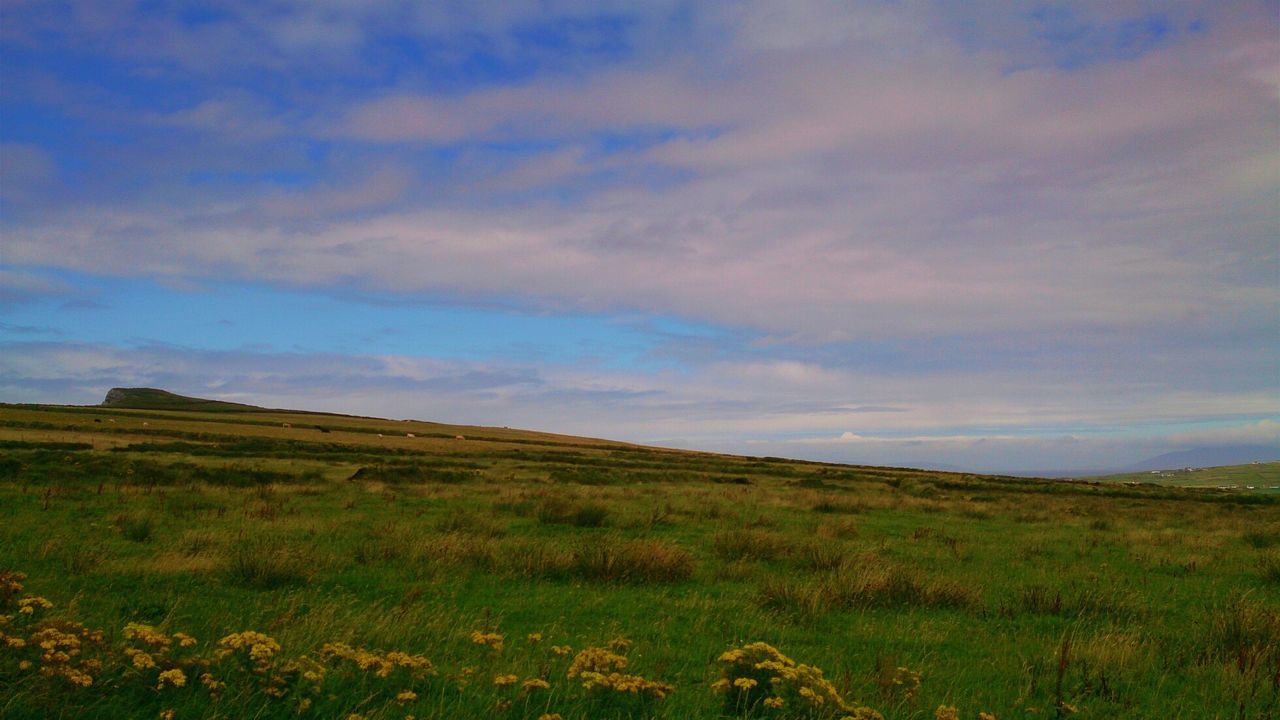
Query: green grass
{"x":1021,"y":598}
{"x":1262,"y":477}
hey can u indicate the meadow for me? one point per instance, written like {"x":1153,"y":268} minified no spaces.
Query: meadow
{"x":223,"y":563}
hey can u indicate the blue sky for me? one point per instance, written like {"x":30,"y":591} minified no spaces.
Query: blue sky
{"x":992,"y":235}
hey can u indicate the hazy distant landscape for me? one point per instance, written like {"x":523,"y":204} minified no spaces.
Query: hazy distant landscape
{"x":209,"y":560}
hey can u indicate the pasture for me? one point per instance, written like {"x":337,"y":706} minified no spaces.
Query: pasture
{"x":228,"y":564}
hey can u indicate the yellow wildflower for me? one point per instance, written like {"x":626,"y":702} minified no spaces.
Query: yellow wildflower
{"x":774,"y":702}
{"x":28,"y":605}
{"x":561,"y":650}
{"x":406,"y":696}
{"x":596,"y":659}
{"x":166,"y":714}
{"x":147,"y":635}
{"x":491,"y":640}
{"x":174,"y":677}
{"x":534,"y":637}
{"x":212,"y":684}
{"x":550,"y":716}
{"x":946,"y":712}
{"x":745,"y":683}
{"x":535,"y":684}
{"x":504,"y":680}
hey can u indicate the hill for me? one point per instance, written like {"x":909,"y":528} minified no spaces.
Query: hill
{"x":1259,"y":477}
{"x":1212,"y":456}
{"x":155,"y":399}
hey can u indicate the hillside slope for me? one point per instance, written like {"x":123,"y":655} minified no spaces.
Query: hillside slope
{"x":156,"y":399}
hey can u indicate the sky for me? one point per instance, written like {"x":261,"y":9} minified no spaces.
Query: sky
{"x":998,"y":236}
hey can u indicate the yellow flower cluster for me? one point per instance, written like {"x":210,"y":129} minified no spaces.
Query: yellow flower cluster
{"x":758,"y":675}
{"x":596,"y":659}
{"x":505,"y":680}
{"x":10,"y":584}
{"x":150,"y":649}
{"x":29,"y":604}
{"x":533,"y":684}
{"x":901,"y":682}
{"x":252,"y":645}
{"x":598,"y":668}
{"x":632,"y":684}
{"x":60,"y":647}
{"x":383,"y":664}
{"x":147,"y":635}
{"x":946,"y":712}
{"x":174,"y":677}
{"x":492,"y":640}
{"x":212,"y":684}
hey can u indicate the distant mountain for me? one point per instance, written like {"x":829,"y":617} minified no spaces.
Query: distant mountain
{"x":154,"y":399}
{"x":1211,"y":456}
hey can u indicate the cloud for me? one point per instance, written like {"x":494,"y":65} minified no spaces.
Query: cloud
{"x":1262,"y":432}
{"x":1045,"y":219}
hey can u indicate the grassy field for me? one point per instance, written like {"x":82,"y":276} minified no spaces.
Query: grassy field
{"x":275,"y":565}
{"x":1254,"y":477}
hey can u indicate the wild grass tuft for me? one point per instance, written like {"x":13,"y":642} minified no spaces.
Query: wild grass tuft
{"x":1262,"y":539}
{"x":839,"y":506}
{"x":1269,"y":568}
{"x":137,"y":528}
{"x":559,"y":511}
{"x":633,"y":561}
{"x":748,"y":544}
{"x":262,"y":563}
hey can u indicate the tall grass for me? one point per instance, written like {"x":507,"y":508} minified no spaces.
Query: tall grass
{"x":264,"y":563}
